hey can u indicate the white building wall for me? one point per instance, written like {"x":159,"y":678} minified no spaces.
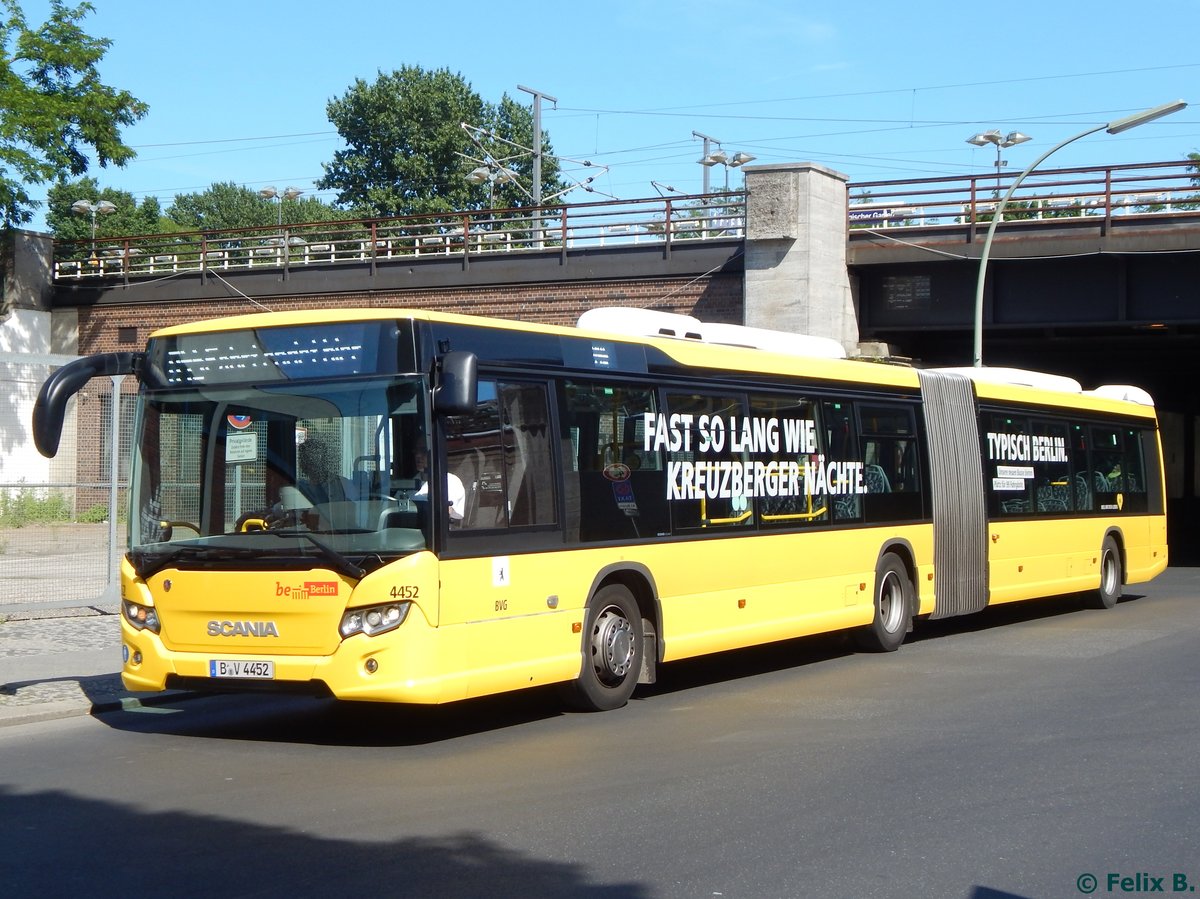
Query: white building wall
{"x":29,"y":351}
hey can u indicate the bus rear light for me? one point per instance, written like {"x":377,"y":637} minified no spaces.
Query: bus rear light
{"x":374,"y":620}
{"x":141,"y":617}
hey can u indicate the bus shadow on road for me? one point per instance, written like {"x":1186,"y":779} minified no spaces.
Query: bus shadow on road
{"x":273,"y":718}
{"x":1010,"y":614}
{"x":751,"y":662}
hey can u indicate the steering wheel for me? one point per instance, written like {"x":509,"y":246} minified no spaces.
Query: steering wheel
{"x":267,"y":520}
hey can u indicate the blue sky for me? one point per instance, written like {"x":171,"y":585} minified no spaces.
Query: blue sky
{"x":877,"y":90}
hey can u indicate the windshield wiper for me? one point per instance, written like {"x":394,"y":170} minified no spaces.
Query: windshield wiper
{"x":339,"y":562}
{"x":148,"y":562}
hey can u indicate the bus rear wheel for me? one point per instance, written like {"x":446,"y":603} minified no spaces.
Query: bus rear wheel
{"x":893,"y":607}
{"x":1111,"y":576}
{"x":612,"y":652}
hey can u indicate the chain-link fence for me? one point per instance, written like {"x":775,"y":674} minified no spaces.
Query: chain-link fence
{"x":62,"y":520}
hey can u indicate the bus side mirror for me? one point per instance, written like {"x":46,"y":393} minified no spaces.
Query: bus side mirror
{"x":51,"y":405}
{"x":457,"y":388}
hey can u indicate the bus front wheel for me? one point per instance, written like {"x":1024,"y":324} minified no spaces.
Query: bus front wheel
{"x":612,"y":652}
{"x":893,"y":607}
{"x":1110,"y":575}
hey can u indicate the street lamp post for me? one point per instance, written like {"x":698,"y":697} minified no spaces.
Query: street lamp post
{"x":737,"y":160}
{"x":1115,"y":127}
{"x":1002,"y":142}
{"x":492,"y":176}
{"x":707,"y":160}
{"x":719,"y":157}
{"x":86,"y":207}
{"x":289,"y":193}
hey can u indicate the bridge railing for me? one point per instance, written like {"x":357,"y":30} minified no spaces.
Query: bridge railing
{"x":1092,"y":193}
{"x":661,"y":221}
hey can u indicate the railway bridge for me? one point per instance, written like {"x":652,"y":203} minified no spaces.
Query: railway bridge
{"x":1093,"y":273}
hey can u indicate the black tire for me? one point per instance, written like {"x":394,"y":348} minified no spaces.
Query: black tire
{"x":1112,"y":576}
{"x":893,"y":607}
{"x":612,"y":652}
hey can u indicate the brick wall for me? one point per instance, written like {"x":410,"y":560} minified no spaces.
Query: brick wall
{"x":716,"y":298}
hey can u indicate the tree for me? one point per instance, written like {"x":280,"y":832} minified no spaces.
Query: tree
{"x":407,"y":152}
{"x":227,"y":205}
{"x":127,"y":219}
{"x":54,"y":108}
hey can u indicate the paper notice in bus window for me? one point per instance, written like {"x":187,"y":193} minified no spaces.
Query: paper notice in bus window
{"x":1008,"y":484}
{"x":1008,"y":472}
{"x":241,"y":448}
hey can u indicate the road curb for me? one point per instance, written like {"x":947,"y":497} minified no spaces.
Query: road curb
{"x":55,"y":711}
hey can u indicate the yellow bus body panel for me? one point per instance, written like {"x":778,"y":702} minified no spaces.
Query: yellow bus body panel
{"x":502,"y":623}
{"x":1031,"y":559}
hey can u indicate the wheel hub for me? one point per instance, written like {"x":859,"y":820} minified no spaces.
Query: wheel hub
{"x":891,"y":602}
{"x":612,"y":645}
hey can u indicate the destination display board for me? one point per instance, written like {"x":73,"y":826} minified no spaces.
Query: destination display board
{"x":264,"y":355}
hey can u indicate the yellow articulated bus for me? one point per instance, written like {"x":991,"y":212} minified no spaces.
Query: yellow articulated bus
{"x":409,"y":506}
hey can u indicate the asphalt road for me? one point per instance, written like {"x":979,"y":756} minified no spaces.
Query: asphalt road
{"x":1015,"y":753}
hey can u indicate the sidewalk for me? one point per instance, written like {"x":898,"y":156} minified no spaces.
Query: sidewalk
{"x":59,"y":663}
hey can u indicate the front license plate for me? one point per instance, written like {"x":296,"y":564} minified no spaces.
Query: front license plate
{"x":252,"y":670}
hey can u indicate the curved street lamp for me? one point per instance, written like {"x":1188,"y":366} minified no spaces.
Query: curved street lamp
{"x":1114,"y":127}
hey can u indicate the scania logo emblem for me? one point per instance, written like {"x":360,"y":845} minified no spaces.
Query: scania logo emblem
{"x":242,"y":629}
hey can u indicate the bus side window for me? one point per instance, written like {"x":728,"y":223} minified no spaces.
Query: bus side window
{"x":1108,"y":465}
{"x":706,"y":460}
{"x":798,"y":423}
{"x":1007,"y":463}
{"x":620,"y":480}
{"x":1120,"y":469}
{"x":1083,"y":488}
{"x":841,"y":445}
{"x":502,"y":455}
{"x":528,"y":456}
{"x":890,"y":462}
{"x":1054,"y":486}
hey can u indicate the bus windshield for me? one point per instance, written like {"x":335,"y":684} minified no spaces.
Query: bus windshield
{"x":297,"y":473}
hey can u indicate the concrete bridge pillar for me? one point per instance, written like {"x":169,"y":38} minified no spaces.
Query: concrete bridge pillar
{"x":796,"y":277}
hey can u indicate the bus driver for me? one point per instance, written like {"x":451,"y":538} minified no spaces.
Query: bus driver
{"x":455,"y":492}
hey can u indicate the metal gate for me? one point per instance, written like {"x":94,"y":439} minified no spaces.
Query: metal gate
{"x":62,"y":520}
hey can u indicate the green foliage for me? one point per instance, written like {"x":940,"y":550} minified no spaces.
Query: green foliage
{"x":407,"y":152}
{"x":54,"y":109}
{"x":228,"y":205}
{"x":97,"y":514}
{"x":26,"y":507}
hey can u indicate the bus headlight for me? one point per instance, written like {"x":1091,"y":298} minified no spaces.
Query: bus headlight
{"x":141,"y":617}
{"x":374,"y":620}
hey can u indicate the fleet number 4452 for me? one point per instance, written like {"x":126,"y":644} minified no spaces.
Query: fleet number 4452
{"x":406,"y":592}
